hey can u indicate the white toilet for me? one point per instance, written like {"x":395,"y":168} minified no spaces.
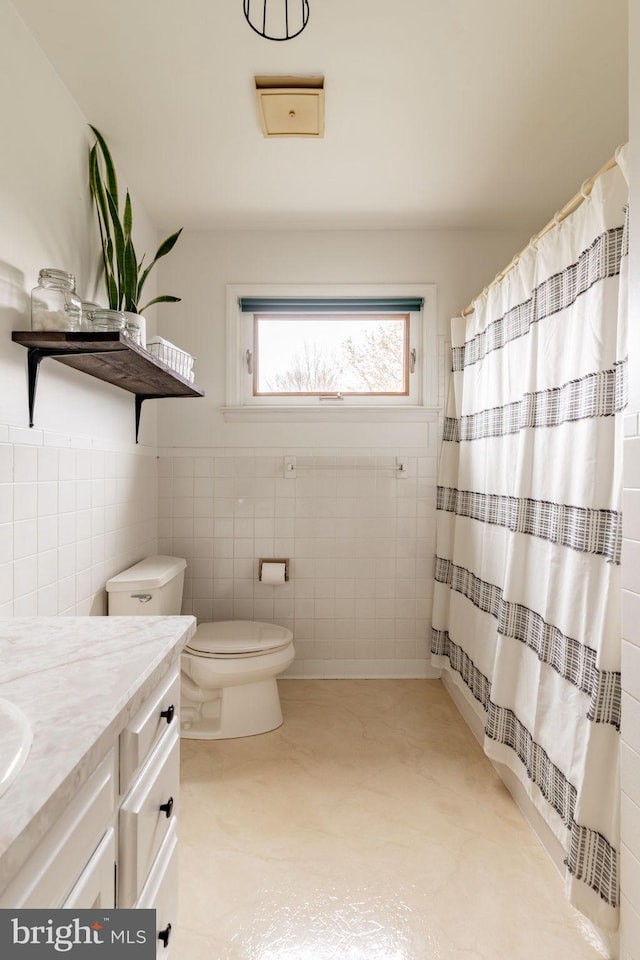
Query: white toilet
{"x":228,"y":669}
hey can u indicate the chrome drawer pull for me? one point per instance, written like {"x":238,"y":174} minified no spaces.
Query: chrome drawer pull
{"x":167,"y":807}
{"x":169,"y":713}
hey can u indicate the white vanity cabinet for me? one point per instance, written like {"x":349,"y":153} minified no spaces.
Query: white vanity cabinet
{"x":115,"y":844}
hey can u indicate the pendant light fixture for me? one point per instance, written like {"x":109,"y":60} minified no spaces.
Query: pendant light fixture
{"x":277,"y":19}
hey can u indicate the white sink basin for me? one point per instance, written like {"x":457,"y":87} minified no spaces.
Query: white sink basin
{"x":15,"y":742}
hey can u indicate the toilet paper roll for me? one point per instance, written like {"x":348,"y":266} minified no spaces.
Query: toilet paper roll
{"x":273,"y":572}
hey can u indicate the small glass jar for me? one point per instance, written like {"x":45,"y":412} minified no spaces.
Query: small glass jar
{"x":88,"y":307}
{"x":106,"y":321}
{"x":55,"y":305}
{"x":132,"y":329}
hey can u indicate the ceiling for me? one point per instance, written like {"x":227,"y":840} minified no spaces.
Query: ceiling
{"x":440,"y":114}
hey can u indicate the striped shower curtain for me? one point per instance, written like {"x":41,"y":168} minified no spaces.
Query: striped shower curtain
{"x":527,"y":575}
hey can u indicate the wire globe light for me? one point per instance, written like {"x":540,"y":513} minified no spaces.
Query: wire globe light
{"x":277,"y":19}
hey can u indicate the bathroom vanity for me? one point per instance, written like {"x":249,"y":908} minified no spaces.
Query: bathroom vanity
{"x":90,"y":820}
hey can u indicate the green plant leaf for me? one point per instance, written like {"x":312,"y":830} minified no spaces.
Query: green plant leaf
{"x":97,"y":193}
{"x":110,"y":276}
{"x":143,"y":278}
{"x":95,"y":181}
{"x":128,"y":217}
{"x":97,"y":190}
{"x":112,"y":290}
{"x":130,"y":277}
{"x":112,"y":179}
{"x":119,"y":244}
{"x":118,"y":232}
{"x":162,"y":251}
{"x":167,"y":245}
{"x":165,"y":299}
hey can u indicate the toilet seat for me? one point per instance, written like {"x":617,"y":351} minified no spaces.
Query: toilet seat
{"x":237,"y":639}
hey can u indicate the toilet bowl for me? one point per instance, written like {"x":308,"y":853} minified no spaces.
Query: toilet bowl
{"x":228,"y":669}
{"x":228,"y":681}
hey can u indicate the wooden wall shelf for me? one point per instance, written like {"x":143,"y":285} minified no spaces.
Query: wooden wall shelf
{"x":112,"y":357}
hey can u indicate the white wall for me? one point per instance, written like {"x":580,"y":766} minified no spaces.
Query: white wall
{"x":77,"y":498}
{"x":459,"y":263}
{"x":630,"y":772}
{"x":360,"y":540}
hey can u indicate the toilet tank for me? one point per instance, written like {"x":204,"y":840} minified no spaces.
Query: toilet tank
{"x":150,"y":588}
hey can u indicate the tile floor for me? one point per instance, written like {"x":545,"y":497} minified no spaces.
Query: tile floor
{"x":370,"y":826}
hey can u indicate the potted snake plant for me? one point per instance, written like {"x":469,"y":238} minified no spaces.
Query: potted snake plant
{"x":124,"y":275}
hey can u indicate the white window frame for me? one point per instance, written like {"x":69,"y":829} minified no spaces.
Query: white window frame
{"x":240,"y":404}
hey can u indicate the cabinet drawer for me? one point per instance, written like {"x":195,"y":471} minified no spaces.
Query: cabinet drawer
{"x":51,"y":871}
{"x":147,"y":726}
{"x":160,"y":892}
{"x":97,"y":884}
{"x":143,"y":824}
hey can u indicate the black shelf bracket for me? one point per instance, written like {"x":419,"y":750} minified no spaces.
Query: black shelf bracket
{"x":35,"y":355}
{"x":140,"y":398}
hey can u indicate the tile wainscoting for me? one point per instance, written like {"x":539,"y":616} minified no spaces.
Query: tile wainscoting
{"x":73,"y":512}
{"x":360,"y":539}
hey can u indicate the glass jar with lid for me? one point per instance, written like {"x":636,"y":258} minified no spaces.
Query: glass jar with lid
{"x":55,"y":305}
{"x":88,"y":307}
{"x":106,"y":321}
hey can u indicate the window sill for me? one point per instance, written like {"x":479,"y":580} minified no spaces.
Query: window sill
{"x":335,"y":414}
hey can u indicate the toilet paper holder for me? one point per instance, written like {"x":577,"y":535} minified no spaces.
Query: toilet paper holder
{"x":264,"y":560}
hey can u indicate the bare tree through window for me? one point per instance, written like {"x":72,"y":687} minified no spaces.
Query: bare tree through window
{"x":311,"y":370}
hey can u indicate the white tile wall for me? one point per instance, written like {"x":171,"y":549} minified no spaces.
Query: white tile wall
{"x":70,"y":517}
{"x":630,"y":765}
{"x":360,"y":540}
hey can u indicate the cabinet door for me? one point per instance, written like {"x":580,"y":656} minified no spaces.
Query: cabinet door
{"x":160,"y":893}
{"x":50,"y":873}
{"x":96,"y":886}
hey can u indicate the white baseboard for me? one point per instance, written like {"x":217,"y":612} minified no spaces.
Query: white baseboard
{"x":361,"y":670}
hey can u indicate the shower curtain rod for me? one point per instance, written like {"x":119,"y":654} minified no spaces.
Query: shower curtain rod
{"x":561,"y":215}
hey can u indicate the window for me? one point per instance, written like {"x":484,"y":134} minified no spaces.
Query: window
{"x":309,"y":349}
{"x":330,"y":356}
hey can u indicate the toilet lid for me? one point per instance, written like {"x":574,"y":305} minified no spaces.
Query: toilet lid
{"x":148,"y":574}
{"x":237,"y":637}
